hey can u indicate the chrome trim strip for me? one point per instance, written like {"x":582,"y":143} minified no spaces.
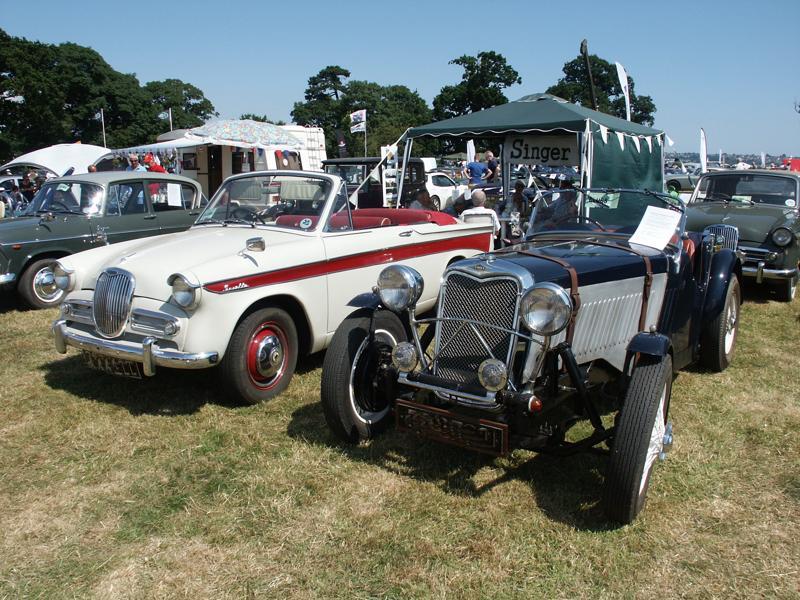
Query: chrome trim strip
{"x":147,"y":353}
{"x":8,"y":278}
{"x":140,"y":315}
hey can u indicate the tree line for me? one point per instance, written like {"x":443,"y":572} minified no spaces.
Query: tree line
{"x":53,"y":93}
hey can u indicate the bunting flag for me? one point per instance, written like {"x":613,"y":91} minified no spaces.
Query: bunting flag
{"x":635,"y":139}
{"x":658,"y":140}
{"x":603,"y":133}
{"x":621,"y":138}
{"x":670,"y":143}
{"x":649,"y":141}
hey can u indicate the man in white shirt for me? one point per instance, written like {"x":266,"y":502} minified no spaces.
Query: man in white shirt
{"x":478,"y":201}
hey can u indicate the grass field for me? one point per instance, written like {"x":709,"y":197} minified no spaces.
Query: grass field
{"x":114,"y":488}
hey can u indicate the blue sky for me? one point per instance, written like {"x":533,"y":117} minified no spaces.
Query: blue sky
{"x":731,"y":67}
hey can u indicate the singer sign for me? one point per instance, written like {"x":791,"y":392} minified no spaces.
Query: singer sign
{"x":550,"y":150}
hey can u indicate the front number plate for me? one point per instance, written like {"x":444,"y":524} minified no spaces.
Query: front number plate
{"x":114,"y":366}
{"x":480,"y":435}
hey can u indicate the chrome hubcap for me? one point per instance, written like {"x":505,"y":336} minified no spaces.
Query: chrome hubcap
{"x":269,"y":356}
{"x":44,"y":285}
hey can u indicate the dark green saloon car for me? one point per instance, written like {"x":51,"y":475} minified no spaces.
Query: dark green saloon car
{"x":75,"y":213}
{"x":763,"y":206}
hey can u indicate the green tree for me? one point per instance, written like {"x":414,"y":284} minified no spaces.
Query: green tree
{"x":482,"y":83}
{"x":261,"y":119}
{"x":190,"y":107}
{"x":323,"y":105}
{"x":574,"y":86}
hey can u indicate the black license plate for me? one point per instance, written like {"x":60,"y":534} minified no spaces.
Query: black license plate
{"x":446,"y":426}
{"x":114,"y":366}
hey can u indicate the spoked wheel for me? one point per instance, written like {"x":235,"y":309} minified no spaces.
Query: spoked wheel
{"x":355,"y":393}
{"x":641,"y":436}
{"x":718,"y":339}
{"x":37,"y":286}
{"x":261,"y":356}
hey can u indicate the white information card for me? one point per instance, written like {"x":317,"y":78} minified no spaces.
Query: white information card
{"x":656,"y":228}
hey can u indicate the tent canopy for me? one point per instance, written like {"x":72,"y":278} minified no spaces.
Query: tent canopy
{"x":243,"y":133}
{"x":534,"y":113}
{"x":60,"y":158}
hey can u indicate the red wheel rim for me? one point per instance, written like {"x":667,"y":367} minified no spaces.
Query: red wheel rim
{"x":266,"y":355}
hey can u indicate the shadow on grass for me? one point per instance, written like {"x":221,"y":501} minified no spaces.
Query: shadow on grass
{"x":11,"y":302}
{"x":566,"y":489}
{"x":170,"y":392}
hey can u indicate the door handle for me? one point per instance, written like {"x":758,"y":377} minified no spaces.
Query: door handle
{"x":406,"y":233}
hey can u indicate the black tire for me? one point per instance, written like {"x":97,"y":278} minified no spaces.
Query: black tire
{"x":436,"y":202}
{"x":261,"y":355}
{"x":354,"y":405}
{"x":632,"y":453}
{"x":37,"y":287}
{"x":787,"y":290}
{"x":718,"y":339}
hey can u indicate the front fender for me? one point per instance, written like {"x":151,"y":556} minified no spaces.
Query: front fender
{"x":652,"y":344}
{"x":724,"y":265}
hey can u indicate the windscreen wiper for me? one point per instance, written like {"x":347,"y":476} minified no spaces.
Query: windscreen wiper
{"x":242,"y":221}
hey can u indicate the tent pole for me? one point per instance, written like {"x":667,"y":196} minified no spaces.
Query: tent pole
{"x":406,"y":156}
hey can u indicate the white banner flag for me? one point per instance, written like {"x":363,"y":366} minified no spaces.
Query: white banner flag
{"x":703,"y":151}
{"x":360,"y":116}
{"x":359,"y":127}
{"x":623,"y":83}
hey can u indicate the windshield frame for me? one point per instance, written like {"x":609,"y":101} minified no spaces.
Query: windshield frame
{"x":668,"y":201}
{"x":707,"y":177}
{"x":333,"y":181}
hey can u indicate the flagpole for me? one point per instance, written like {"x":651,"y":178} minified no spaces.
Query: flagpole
{"x":365,"y":138}
{"x":103,"y":123}
{"x":170,"y":118}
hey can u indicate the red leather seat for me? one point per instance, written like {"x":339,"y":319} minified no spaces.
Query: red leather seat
{"x":340,"y":221}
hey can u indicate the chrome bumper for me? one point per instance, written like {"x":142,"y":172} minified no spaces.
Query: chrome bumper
{"x":761,"y":273}
{"x":8,"y":278}
{"x":147,"y":353}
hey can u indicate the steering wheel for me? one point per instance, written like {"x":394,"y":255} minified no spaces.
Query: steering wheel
{"x":246,"y":214}
{"x":60,"y":203}
{"x":580,"y":218}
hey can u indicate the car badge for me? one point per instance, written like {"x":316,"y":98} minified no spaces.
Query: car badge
{"x":479,"y":267}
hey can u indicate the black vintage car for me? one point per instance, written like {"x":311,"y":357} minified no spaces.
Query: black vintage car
{"x":588,"y":319}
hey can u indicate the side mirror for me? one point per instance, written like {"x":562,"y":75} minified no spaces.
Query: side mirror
{"x":256,"y":244}
{"x":47,"y":217}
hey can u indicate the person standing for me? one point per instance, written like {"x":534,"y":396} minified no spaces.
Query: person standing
{"x":477,"y":171}
{"x":26,"y":187}
{"x":134,"y":164}
{"x":492,"y":167}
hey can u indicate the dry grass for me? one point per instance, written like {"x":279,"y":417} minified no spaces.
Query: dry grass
{"x":112,"y":488}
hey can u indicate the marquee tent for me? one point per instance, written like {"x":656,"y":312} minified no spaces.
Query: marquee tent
{"x":547,"y":130}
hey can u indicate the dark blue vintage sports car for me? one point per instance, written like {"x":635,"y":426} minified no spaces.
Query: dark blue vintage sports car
{"x":591,"y":316}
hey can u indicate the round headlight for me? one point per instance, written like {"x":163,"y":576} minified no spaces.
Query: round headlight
{"x":493,"y":374}
{"x":404,"y":357}
{"x":399,"y":287}
{"x":782,"y":236}
{"x":185,"y":294}
{"x":63,"y":277}
{"x":546,"y":309}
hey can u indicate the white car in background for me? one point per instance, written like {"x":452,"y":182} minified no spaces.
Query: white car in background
{"x":443,"y":189}
{"x":270,"y":269}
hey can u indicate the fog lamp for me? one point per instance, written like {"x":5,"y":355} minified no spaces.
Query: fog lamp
{"x":404,"y":357}
{"x":170,"y":328}
{"x":66,"y":309}
{"x":493,"y":374}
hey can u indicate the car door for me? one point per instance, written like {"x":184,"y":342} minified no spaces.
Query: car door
{"x":445,"y":188}
{"x":175,"y":203}
{"x":127,"y":214}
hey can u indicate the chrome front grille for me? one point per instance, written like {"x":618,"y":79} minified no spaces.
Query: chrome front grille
{"x":459,"y":347}
{"x":112,"y":301}
{"x":729,"y":233}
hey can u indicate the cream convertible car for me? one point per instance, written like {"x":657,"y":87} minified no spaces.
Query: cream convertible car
{"x":269,"y":270}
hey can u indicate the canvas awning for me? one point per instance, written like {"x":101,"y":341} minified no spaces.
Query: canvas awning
{"x":243,"y":133}
{"x":533,"y":113}
{"x":58,"y":159}
{"x":160,"y":146}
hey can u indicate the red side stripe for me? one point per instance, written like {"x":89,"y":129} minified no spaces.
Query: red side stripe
{"x":355,"y":261}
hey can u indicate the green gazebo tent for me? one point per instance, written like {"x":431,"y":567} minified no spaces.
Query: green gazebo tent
{"x":547,"y":130}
